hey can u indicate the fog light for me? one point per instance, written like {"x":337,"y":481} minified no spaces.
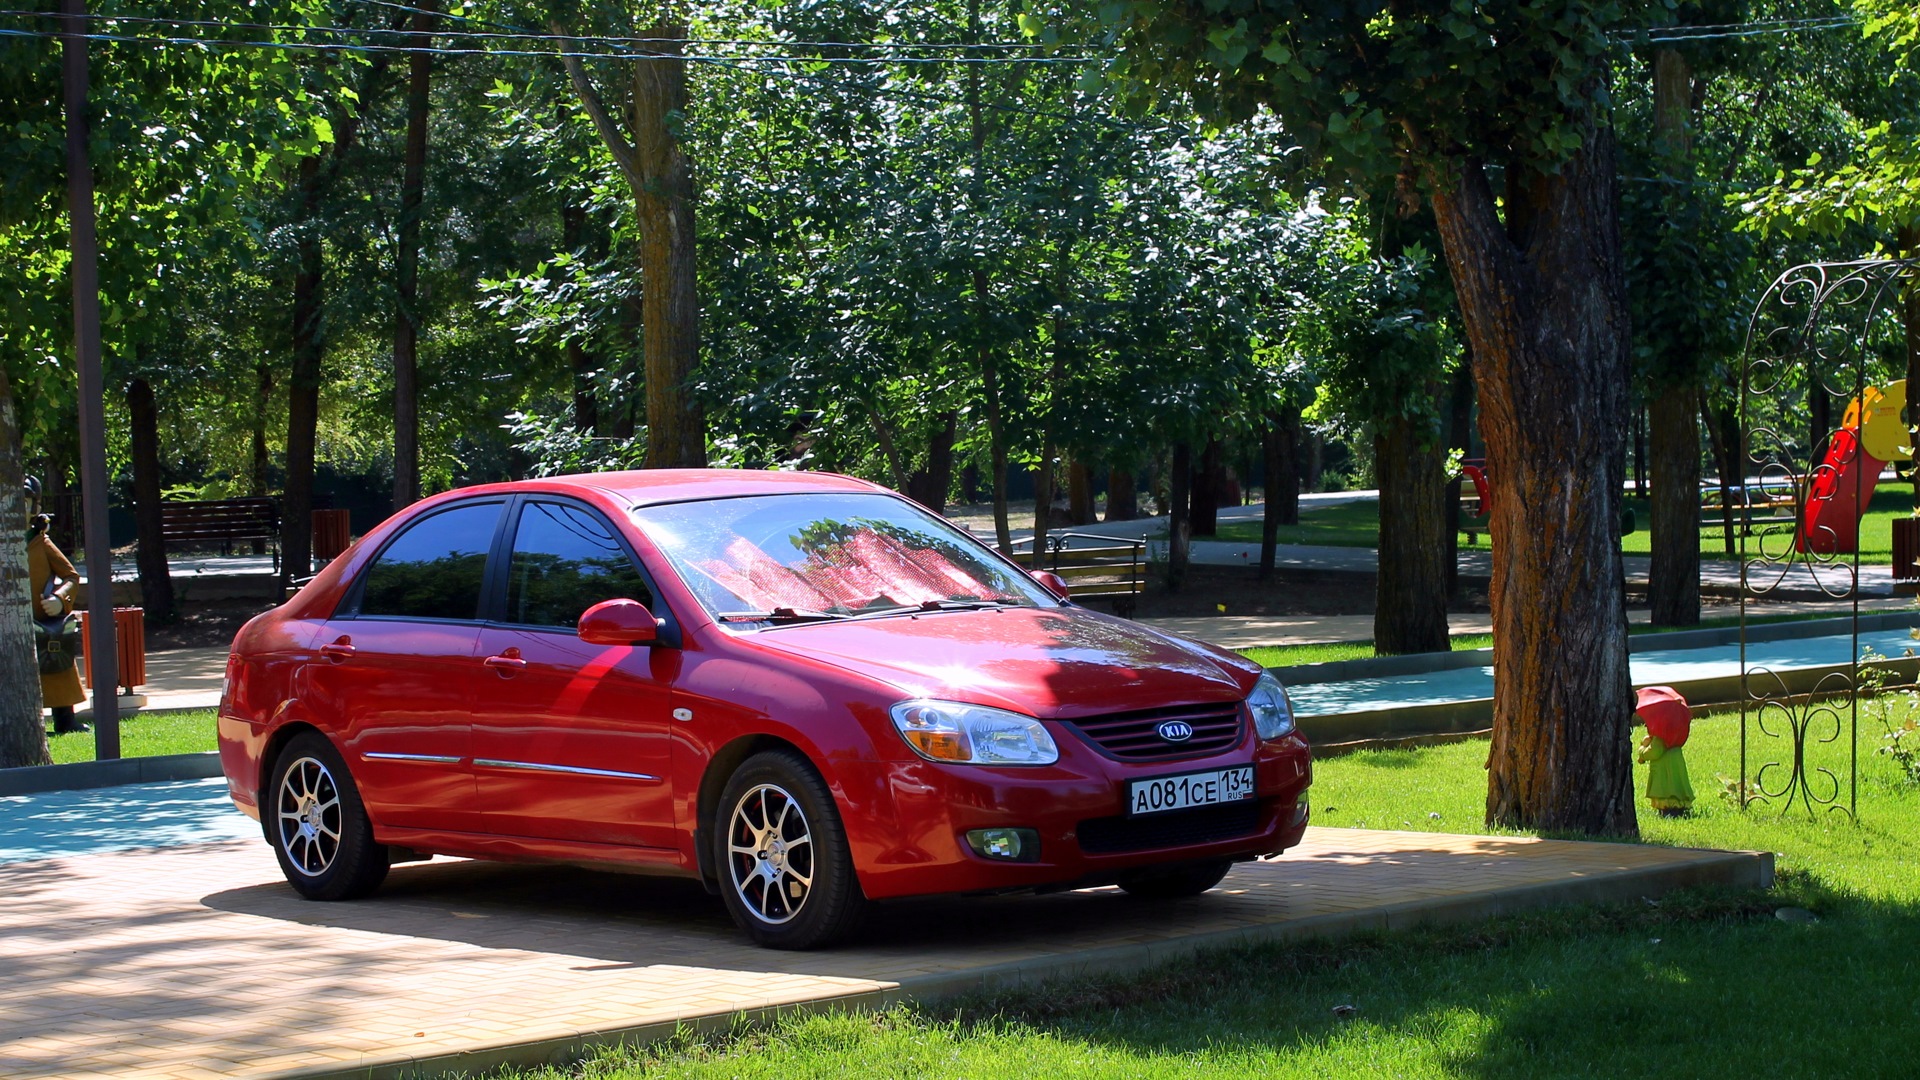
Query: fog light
{"x":1007,"y":845}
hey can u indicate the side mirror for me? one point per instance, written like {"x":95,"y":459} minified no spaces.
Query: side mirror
{"x":619,"y":622}
{"x":1053,"y":583}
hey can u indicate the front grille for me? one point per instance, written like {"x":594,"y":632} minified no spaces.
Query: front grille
{"x":1178,"y":828}
{"x":1135,"y":736}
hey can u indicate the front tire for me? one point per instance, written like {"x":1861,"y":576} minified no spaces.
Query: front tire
{"x":785,"y":869}
{"x":318,"y":826}
{"x":1176,"y":882}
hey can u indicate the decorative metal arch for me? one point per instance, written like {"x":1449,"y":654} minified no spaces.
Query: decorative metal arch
{"x":1811,"y":334}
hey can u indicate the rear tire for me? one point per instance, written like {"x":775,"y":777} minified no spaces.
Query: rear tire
{"x":785,"y":869}
{"x":1176,"y":882}
{"x":317,"y":824}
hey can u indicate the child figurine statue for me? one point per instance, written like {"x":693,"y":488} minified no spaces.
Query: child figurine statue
{"x":1668,"y":719}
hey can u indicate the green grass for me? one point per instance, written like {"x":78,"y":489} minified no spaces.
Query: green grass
{"x":1357,"y":524}
{"x":144,"y":735}
{"x":1703,"y":983}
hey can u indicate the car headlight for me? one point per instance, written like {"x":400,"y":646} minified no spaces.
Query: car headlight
{"x":973,"y":734}
{"x":1272,"y":712}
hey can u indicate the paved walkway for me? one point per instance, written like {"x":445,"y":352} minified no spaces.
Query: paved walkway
{"x":195,"y":959}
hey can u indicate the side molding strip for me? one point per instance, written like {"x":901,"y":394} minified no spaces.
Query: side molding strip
{"x":574,"y":770}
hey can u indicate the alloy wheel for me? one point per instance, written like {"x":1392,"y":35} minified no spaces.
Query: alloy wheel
{"x":309,"y":816}
{"x":770,"y":853}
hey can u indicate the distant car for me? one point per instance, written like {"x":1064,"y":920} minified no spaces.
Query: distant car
{"x":801,"y":689}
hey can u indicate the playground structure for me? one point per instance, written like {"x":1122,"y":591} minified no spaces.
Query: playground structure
{"x":1840,"y":488}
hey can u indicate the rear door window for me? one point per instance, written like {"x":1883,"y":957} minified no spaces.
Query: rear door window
{"x":435,"y":568}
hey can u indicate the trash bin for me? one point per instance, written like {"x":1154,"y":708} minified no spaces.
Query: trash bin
{"x":332,"y":534}
{"x":130,"y":647}
{"x":1906,"y":556}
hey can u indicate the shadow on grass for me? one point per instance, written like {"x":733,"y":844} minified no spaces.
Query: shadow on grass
{"x":1704,"y":982}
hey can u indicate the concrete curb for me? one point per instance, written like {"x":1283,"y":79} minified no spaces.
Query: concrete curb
{"x":98,"y":774}
{"x":1736,"y":869}
{"x":1350,"y":731}
{"x":1382,"y":667}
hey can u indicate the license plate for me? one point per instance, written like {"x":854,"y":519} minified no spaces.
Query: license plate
{"x":1187,"y":790}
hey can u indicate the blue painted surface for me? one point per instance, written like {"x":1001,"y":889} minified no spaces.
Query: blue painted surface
{"x":57,"y":824}
{"x":1650,"y":668}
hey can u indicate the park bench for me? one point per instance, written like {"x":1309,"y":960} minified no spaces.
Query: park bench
{"x":222,"y":521}
{"x":1753,"y":506}
{"x":1100,"y":568}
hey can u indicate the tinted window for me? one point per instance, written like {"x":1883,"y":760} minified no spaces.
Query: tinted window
{"x":433,"y":570}
{"x":565,"y":560}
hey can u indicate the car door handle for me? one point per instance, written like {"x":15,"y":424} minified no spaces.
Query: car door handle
{"x":338,"y":651}
{"x":505,"y":665}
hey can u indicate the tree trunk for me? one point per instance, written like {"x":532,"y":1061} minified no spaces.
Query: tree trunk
{"x":156,"y":585}
{"x":928,"y":486}
{"x":1123,"y":498}
{"x":1311,"y":458}
{"x":1673,"y":585}
{"x":1280,"y":459}
{"x":1672,"y":448}
{"x":1203,"y":514}
{"x":406,"y":328}
{"x":663,"y":191}
{"x":1079,"y":492}
{"x":1043,"y":498}
{"x":586,"y":413}
{"x":1910,"y":323}
{"x":259,"y":480}
{"x":315,"y":175}
{"x":1723,"y":438}
{"x":970,"y":483}
{"x":1543,"y":301}
{"x":1410,"y":591}
{"x":1459,"y":437}
{"x":303,"y":383}
{"x":23,"y":737}
{"x":1179,"y":528}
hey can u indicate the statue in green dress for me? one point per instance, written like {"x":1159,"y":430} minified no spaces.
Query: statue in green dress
{"x":1668,"y":718}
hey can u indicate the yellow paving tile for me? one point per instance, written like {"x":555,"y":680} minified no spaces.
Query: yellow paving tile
{"x":197,"y":960}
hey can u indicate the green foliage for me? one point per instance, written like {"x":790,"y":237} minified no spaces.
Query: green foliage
{"x":1874,"y":180}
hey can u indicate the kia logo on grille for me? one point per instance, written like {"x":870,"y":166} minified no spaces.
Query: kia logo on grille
{"x":1176,"y":731}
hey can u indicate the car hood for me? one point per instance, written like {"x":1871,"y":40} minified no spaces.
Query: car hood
{"x":1055,"y":663}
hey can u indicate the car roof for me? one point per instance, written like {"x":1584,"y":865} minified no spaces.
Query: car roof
{"x":645,"y":487}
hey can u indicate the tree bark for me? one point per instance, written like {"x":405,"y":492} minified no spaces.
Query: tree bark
{"x":1673,"y":441}
{"x":1673,"y":584}
{"x":23,"y":737}
{"x":406,"y":328}
{"x":1043,"y":499}
{"x":1179,"y":528}
{"x":1281,"y":461}
{"x":1459,"y":437}
{"x":1123,"y":497}
{"x":314,"y":177}
{"x":1410,"y":591}
{"x":1723,"y":438}
{"x":653,"y":159}
{"x":1079,"y":492}
{"x":1909,"y":240}
{"x":303,"y":381}
{"x":1203,"y":514}
{"x":156,"y":583}
{"x":1543,"y":301}
{"x":928,"y":486}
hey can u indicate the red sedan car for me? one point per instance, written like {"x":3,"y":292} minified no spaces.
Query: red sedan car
{"x":801,"y":689}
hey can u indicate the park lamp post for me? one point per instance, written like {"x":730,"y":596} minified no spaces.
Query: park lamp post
{"x":102,"y":661}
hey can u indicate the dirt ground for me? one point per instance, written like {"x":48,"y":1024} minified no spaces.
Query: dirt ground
{"x":204,"y":624}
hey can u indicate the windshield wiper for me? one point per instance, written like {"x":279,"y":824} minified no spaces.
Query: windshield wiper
{"x":930,"y":605}
{"x":779,"y":614}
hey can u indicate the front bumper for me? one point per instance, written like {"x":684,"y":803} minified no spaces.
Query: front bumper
{"x":1077,"y":807}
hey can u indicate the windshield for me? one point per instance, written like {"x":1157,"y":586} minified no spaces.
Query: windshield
{"x":772,"y":558}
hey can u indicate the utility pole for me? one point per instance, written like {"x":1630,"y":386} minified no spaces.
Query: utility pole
{"x":103,"y":663}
